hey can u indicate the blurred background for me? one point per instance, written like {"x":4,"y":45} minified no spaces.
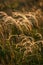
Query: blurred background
{"x":23,"y":5}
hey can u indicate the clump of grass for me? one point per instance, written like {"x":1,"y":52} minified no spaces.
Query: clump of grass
{"x":20,"y":42}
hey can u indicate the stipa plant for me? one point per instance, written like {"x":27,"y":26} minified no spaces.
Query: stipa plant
{"x":19,"y":40}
